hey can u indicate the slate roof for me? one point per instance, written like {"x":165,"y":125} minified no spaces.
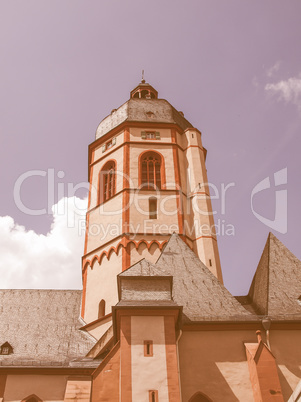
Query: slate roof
{"x":195,"y":288}
{"x":42,"y":326}
{"x":142,"y":110}
{"x":276,"y":286}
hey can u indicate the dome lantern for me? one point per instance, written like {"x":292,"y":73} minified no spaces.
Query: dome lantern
{"x":144,"y":91}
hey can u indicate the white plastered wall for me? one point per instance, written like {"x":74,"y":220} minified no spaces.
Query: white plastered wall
{"x":102,"y":284}
{"x":148,"y":373}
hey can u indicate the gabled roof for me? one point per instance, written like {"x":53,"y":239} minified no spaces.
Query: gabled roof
{"x":145,"y":284}
{"x":43,"y":328}
{"x":195,"y":288}
{"x":276,"y":285}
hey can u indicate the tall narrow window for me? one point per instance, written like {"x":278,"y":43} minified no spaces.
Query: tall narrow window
{"x":107,"y":181}
{"x":151,"y":170}
{"x":152,"y":208}
{"x":101,"y":308}
{"x":153,"y":396}
{"x":148,"y":348}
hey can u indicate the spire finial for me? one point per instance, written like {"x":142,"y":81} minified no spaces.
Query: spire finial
{"x":143,"y":80}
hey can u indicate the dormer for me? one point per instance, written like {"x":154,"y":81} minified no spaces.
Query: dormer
{"x":6,"y":349}
{"x":144,"y":282}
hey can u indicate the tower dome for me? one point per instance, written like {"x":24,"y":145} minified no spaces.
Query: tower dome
{"x":143,"y":106}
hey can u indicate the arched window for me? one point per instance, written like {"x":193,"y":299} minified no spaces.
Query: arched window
{"x":101,"y":308}
{"x":32,"y":398}
{"x":199,"y":397}
{"x":144,"y":94}
{"x":107,"y":181}
{"x":151,"y":170}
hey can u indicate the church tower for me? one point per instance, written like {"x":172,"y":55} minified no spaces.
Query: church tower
{"x":148,"y":180}
{"x":163,"y":326}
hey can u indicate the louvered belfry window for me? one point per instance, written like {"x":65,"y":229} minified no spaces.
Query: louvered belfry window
{"x":108,"y":178}
{"x":151,"y":171}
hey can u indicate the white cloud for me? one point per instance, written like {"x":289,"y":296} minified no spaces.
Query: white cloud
{"x":272,"y":70}
{"x":52,"y":261}
{"x":288,"y":91}
{"x":255,"y":82}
